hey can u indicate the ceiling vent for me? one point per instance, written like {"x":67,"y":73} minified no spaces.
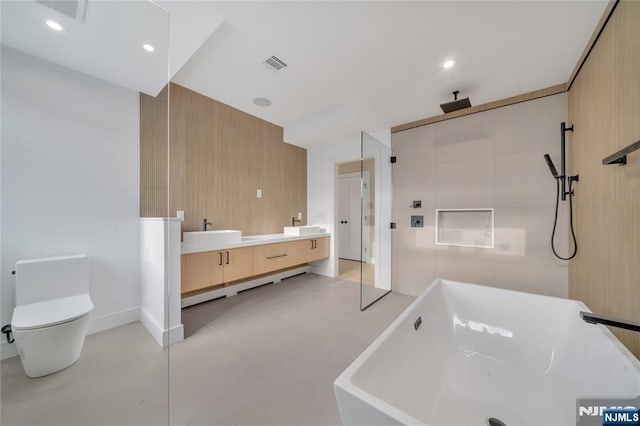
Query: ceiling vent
{"x":275,"y":63}
{"x":74,"y":9}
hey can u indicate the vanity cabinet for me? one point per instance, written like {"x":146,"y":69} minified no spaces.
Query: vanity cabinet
{"x":312,"y":249}
{"x":211,"y":268}
{"x":221,"y":267}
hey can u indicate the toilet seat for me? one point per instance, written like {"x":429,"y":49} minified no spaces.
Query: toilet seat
{"x":51,"y":312}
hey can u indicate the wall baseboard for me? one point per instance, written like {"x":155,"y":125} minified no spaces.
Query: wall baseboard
{"x":164,"y":337}
{"x":8,"y":350}
{"x":96,"y":325}
{"x":115,"y":319}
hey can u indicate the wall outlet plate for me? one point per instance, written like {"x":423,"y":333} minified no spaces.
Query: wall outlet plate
{"x":180,"y":215}
{"x":417,"y":221}
{"x":259,"y":193}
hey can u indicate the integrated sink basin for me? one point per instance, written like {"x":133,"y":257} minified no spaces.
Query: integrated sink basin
{"x":301,"y":230}
{"x":211,"y":238}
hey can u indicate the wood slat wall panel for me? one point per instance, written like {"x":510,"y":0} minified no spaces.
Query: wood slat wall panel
{"x":295,"y":170}
{"x":153,"y":154}
{"x":604,"y":107}
{"x":219,"y":157}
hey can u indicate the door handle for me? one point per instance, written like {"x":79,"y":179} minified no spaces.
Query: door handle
{"x":227,"y":258}
{"x":220,"y":253}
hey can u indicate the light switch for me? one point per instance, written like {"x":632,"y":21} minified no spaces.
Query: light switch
{"x":259,"y":193}
{"x":180,"y":215}
{"x":300,"y":215}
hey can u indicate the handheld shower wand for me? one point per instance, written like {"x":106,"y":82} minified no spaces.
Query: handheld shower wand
{"x":552,"y":168}
{"x":561,"y":181}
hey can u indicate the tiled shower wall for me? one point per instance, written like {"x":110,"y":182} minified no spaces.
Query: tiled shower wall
{"x":493,"y":159}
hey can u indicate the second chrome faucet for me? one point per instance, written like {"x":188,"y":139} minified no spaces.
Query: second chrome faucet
{"x":205,"y":224}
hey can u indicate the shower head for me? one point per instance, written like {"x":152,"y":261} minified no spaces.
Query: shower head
{"x":552,"y":168}
{"x":456,"y":104}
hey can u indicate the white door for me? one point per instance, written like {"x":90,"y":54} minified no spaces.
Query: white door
{"x":349,"y":217}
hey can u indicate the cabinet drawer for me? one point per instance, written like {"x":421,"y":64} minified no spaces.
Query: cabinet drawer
{"x":271,"y":257}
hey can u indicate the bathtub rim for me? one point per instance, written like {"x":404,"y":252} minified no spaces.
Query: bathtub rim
{"x":344,"y":380}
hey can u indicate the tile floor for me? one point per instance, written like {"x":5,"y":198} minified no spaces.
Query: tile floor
{"x":266,"y":356}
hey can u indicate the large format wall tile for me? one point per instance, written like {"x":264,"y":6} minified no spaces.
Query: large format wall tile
{"x":465,"y":138}
{"x":530,"y":126}
{"x":523,"y":180}
{"x":415,"y":147}
{"x":412,"y":271}
{"x":549,"y":280}
{"x":524,"y":235}
{"x":464,"y":184}
{"x":414,"y":183}
{"x":465,"y":269}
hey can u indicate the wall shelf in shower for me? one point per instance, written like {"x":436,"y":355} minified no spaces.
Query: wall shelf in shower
{"x":620,"y":157}
{"x":465,"y":227}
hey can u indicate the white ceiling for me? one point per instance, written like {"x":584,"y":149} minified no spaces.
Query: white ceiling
{"x":352,"y":65}
{"x":108,"y":44}
{"x":371,"y":65}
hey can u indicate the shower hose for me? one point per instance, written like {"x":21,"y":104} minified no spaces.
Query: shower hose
{"x":555,"y":221}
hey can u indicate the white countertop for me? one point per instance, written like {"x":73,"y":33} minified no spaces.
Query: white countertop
{"x":251,"y":240}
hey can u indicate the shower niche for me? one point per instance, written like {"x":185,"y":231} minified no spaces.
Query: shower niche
{"x":465,"y":227}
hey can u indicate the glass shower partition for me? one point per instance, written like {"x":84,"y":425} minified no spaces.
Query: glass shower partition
{"x":73,"y":75}
{"x":375,"y":218}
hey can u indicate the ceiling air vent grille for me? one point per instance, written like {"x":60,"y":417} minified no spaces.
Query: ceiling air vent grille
{"x":74,"y":9}
{"x":275,"y":63}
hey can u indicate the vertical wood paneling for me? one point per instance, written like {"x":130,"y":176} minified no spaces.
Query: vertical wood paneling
{"x":604,"y":106}
{"x":153,"y":154}
{"x":295,"y":173}
{"x":219,"y":157}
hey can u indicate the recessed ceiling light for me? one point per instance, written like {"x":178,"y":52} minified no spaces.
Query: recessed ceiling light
{"x":54,"y":25}
{"x":148,"y":47}
{"x":448,"y":63}
{"x":262,"y":102}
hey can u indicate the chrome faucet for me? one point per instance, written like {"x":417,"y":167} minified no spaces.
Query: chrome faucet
{"x":205,"y":224}
{"x":294,"y":220}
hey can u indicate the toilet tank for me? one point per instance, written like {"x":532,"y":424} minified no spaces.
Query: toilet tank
{"x":49,"y":278}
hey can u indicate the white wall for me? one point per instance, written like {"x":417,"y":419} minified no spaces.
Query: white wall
{"x":70,"y":180}
{"x":322,"y":166}
{"x":492,"y":159}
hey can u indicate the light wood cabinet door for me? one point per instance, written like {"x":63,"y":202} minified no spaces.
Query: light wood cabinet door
{"x":238,"y":263}
{"x":312,"y":249}
{"x":320,"y":250}
{"x":304,"y":250}
{"x":201,"y":270}
{"x":271,"y":257}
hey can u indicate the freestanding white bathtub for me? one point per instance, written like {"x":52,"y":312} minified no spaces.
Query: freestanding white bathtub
{"x":481,"y":353}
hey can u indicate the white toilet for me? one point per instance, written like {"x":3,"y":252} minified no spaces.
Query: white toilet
{"x":52,"y":311}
